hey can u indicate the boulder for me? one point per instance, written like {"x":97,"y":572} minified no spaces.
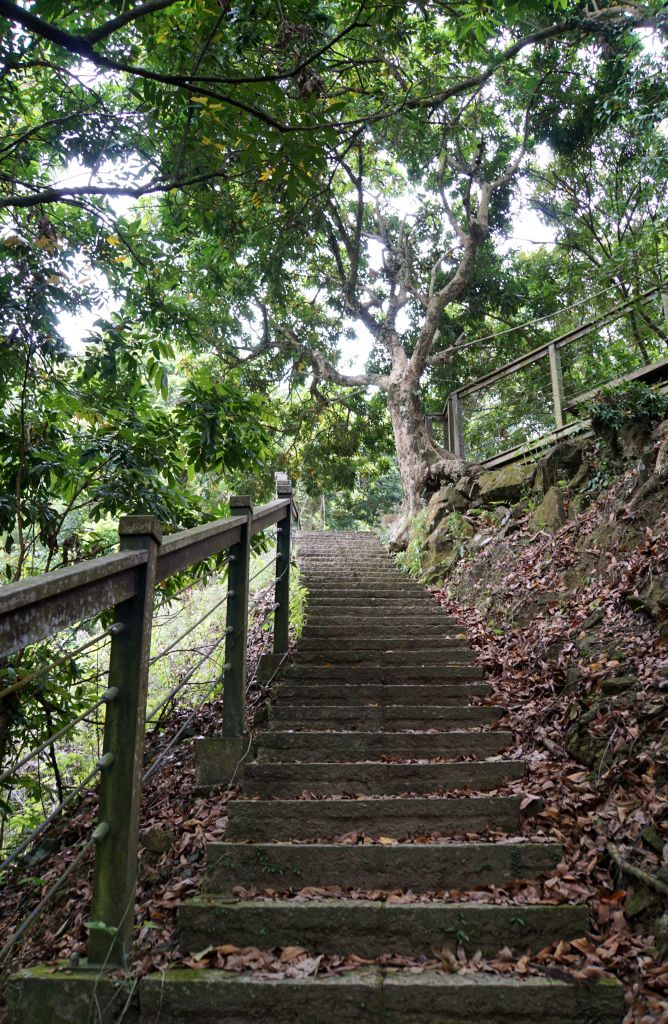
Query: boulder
{"x":652,"y":598}
{"x":444,"y":501}
{"x":635,"y":438}
{"x":507,"y":484}
{"x":156,"y":839}
{"x":469,"y":487}
{"x":550,"y":513}
{"x":561,"y":462}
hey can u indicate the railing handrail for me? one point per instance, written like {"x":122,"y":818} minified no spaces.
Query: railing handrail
{"x":36,"y":608}
{"x":519,"y":362}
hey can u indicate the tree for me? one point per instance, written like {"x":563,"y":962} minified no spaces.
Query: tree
{"x":454,"y":163}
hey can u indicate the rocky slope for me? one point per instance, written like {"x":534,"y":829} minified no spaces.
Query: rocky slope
{"x":560,"y":568}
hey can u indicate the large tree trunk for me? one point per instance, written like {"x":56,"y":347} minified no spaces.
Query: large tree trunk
{"x":420,"y":460}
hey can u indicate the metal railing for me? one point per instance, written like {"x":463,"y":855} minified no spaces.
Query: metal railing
{"x":125,"y":583}
{"x":539,"y":397}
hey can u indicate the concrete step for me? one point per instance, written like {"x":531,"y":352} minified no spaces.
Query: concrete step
{"x":379,"y":629}
{"x":379,"y":619}
{"x":372,"y":746}
{"x":447,"y":655}
{"x":283,"y":820}
{"x":369,"y":928}
{"x":180,"y":996}
{"x":398,"y":642}
{"x":392,"y":602}
{"x":375,"y":778}
{"x":367,"y":588}
{"x":443,"y":694}
{"x":416,"y":867}
{"x":386,"y":717}
{"x":381,"y":673}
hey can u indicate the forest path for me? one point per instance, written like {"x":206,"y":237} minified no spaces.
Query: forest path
{"x":372,"y":817}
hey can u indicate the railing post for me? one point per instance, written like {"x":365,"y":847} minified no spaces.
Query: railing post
{"x":115,"y":872}
{"x":282,"y":587}
{"x":456,"y":428}
{"x":234,"y":687}
{"x":557,"y":384}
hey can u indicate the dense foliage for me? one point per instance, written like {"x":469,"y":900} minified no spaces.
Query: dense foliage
{"x":235,"y":194}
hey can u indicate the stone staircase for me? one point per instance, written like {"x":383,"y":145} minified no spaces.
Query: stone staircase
{"x":372,"y":731}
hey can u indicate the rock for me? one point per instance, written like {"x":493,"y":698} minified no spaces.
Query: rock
{"x":507,"y":484}
{"x":469,"y":487}
{"x":618,"y":684}
{"x":447,"y":499}
{"x":550,"y":513}
{"x":653,"y":839}
{"x":561,"y":462}
{"x":652,"y":598}
{"x":638,"y":901}
{"x":581,"y":475}
{"x":635,"y":438}
{"x":660,"y":431}
{"x":594,"y":619}
{"x":156,"y":839}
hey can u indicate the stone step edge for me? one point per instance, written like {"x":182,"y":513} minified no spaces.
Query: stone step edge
{"x":370,"y":928}
{"x":374,"y":996}
{"x":418,"y":867}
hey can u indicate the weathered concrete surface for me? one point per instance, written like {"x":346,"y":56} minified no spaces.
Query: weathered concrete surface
{"x":220,"y":759}
{"x":378,"y":693}
{"x":45,"y":995}
{"x":291,"y":780}
{"x":374,"y":997}
{"x":326,"y":645}
{"x":282,"y":820}
{"x":455,"y":655}
{"x":368,"y":929}
{"x":386,"y":717}
{"x":421,"y":868}
{"x":380,"y":673}
{"x":365,"y":746}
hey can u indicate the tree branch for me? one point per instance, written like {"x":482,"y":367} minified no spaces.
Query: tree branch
{"x":109,"y":27}
{"x":57,"y":195}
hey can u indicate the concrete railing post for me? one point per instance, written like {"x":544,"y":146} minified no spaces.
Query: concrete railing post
{"x":115,"y":872}
{"x":282,"y":586}
{"x":234,"y":686}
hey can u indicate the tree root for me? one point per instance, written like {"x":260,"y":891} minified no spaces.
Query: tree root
{"x":634,"y":872}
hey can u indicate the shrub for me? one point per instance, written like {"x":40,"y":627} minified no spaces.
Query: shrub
{"x":626,"y":404}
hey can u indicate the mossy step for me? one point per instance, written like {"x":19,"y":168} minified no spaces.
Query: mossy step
{"x":433,"y":642}
{"x":403,"y":818}
{"x":314,"y":694}
{"x":291,"y":780}
{"x":384,"y":716}
{"x":383,"y":673}
{"x":370,"y":928}
{"x":416,"y":867}
{"x":366,"y":590}
{"x":393,"y":602}
{"x":371,"y":746}
{"x":179,"y":996}
{"x":385,"y":628}
{"x":442,"y":656}
{"x":378,"y":618}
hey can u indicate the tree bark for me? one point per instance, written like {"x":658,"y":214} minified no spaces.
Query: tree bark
{"x":420,"y":460}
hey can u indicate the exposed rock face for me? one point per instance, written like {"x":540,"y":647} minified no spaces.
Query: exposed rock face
{"x":560,"y":463}
{"x":550,"y":513}
{"x":652,"y":599}
{"x":507,"y":484}
{"x":447,"y":499}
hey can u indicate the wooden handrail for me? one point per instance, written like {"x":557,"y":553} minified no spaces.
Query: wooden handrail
{"x":34,"y":609}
